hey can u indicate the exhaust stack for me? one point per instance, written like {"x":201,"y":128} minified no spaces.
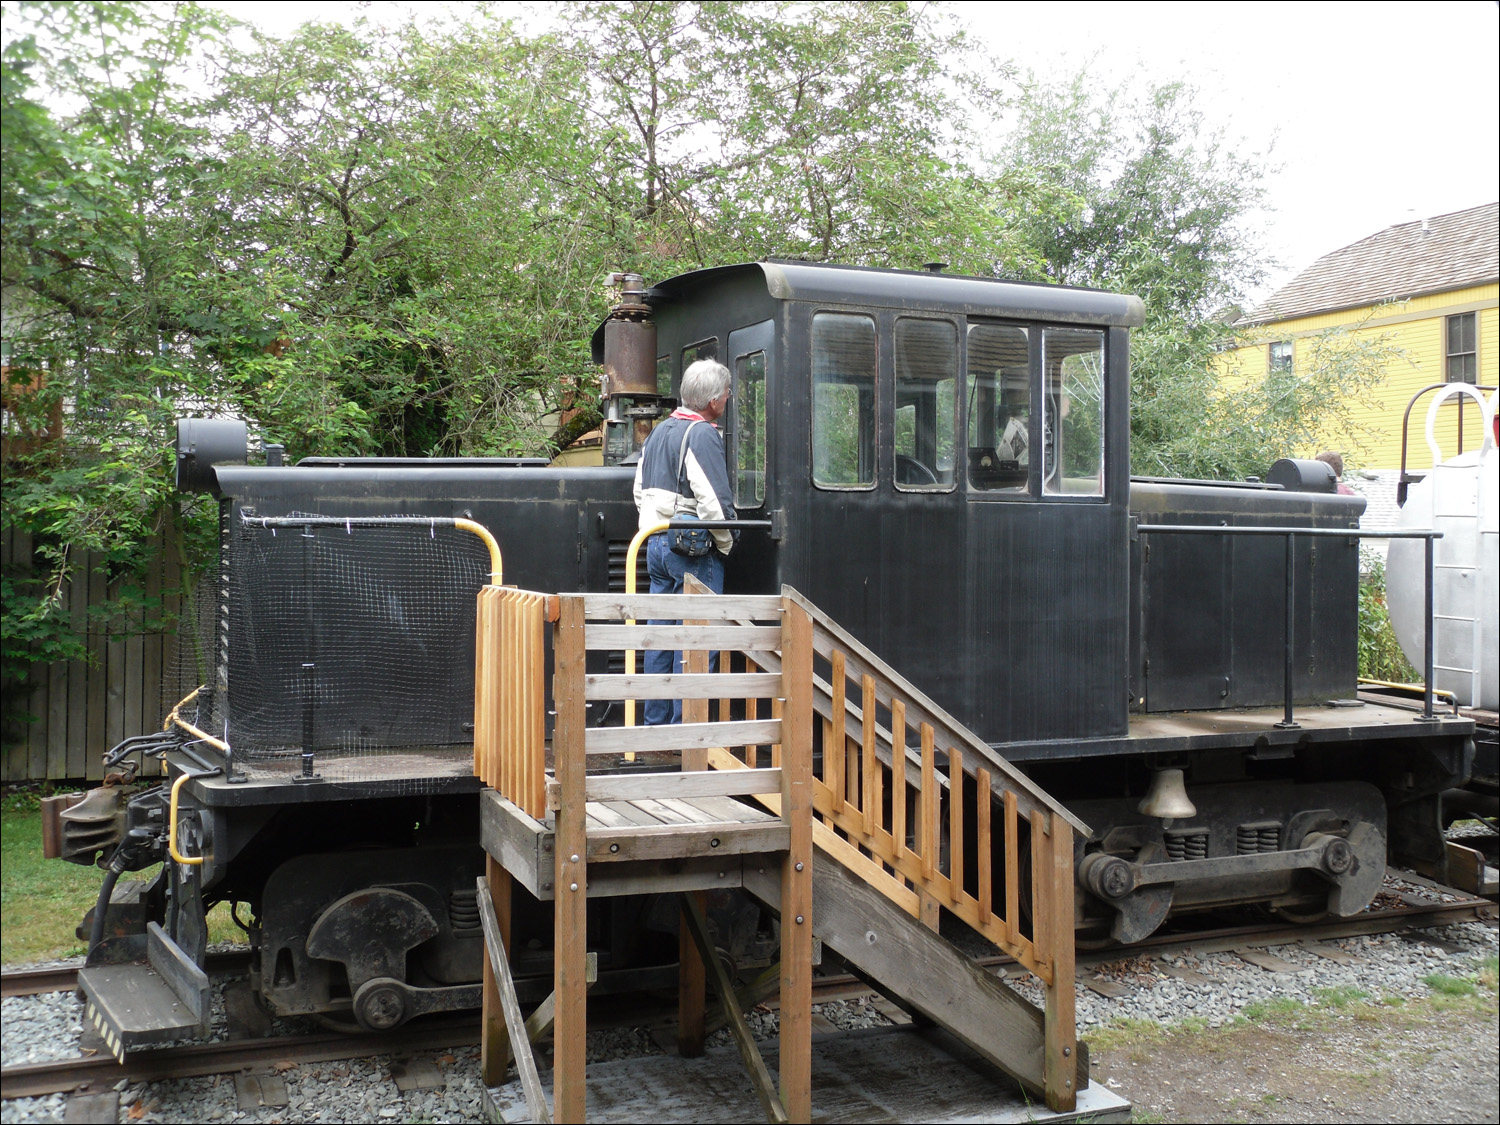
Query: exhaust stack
{"x":632,"y":400}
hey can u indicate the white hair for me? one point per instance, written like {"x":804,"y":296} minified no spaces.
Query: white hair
{"x":702,"y":382}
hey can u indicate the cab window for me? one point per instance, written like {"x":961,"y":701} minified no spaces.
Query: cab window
{"x":843,"y":386}
{"x":998,"y":392}
{"x":1073,"y":412}
{"x":926,"y":374}
{"x":749,"y":407}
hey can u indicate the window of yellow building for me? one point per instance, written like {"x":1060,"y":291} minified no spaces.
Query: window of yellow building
{"x":1463,"y":365}
{"x":1279,"y":356}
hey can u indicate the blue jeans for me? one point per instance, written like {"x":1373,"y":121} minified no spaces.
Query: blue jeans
{"x":667,"y":570}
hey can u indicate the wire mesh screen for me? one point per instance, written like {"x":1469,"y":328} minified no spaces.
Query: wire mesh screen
{"x":355,"y":643}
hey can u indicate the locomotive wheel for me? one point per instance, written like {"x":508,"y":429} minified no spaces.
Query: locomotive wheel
{"x":380,"y":1005}
{"x":1308,"y":917}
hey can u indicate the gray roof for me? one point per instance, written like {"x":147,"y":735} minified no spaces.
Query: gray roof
{"x":911,"y":289}
{"x":1407,"y":260}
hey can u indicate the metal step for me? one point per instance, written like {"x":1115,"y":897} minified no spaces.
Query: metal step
{"x":163,"y":998}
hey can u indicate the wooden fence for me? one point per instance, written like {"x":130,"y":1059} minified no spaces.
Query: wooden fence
{"x":62,"y":719}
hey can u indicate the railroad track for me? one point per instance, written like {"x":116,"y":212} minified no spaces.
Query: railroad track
{"x":92,"y":1074}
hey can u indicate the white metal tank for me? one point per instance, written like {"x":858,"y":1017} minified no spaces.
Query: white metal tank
{"x":1461,"y":498}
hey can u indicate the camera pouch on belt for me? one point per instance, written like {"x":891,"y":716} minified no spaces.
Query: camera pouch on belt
{"x":696,"y":543}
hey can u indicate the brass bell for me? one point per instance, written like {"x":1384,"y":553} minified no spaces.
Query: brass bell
{"x":1167,"y":797}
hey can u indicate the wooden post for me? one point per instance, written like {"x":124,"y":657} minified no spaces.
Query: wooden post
{"x":1061,"y":1025}
{"x":692,"y":980}
{"x":494,"y":1038}
{"x":570,"y":950}
{"x":796,"y":873}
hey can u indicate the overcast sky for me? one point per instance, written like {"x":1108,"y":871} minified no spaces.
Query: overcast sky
{"x":1372,"y":114}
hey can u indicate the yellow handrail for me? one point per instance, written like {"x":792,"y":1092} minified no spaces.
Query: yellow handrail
{"x":496,"y":571}
{"x":630,"y":562}
{"x":202,"y":736}
{"x":172,"y":827}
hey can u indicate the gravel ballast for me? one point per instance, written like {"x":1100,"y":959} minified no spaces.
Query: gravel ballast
{"x":1210,"y":990}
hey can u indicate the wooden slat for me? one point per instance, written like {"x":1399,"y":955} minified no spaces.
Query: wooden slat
{"x":928,"y":802}
{"x":480,"y":767}
{"x":956,"y":820}
{"x":898,"y":780}
{"x":634,"y":843}
{"x":679,"y":736}
{"x":494,"y":1036}
{"x":674,"y":607}
{"x":750,"y":638}
{"x":869,"y":767}
{"x":833,"y":748}
{"x":753,"y":685}
{"x":1041,"y":921}
{"x":1012,"y":866}
{"x":531,"y":1082}
{"x":982,"y":846}
{"x":536,"y":748}
{"x":664,"y":813}
{"x":644,"y":786}
{"x":727,"y":690}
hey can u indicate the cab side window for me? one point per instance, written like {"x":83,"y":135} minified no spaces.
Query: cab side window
{"x":926,"y":374}
{"x":749,"y":409}
{"x":998,"y":393}
{"x":1073,"y":412}
{"x":843,"y":400}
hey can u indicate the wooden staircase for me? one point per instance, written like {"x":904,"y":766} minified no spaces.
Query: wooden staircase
{"x":876,"y":812}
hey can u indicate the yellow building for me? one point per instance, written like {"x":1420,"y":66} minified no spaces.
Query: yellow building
{"x":1430,"y":288}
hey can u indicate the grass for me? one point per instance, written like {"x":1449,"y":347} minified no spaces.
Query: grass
{"x":1278,"y":1007}
{"x":1340,"y":996}
{"x":1445,"y":985}
{"x":43,"y":900}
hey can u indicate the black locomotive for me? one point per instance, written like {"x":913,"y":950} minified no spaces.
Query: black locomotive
{"x":941,"y":463}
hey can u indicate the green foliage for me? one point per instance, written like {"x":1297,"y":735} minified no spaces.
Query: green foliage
{"x":1380,"y":655}
{"x":393,"y":240}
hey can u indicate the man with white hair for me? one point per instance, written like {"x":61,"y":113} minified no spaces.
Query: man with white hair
{"x":683,"y":473}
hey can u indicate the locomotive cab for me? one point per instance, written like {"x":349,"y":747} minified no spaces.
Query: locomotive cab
{"x":946,"y":462}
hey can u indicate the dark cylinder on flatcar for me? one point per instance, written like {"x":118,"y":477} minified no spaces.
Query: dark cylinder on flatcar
{"x":1296,"y":474}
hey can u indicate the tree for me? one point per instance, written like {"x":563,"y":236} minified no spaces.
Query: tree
{"x":1137,"y":192}
{"x":97,"y":234}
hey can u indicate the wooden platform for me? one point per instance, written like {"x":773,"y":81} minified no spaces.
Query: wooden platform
{"x":880,"y":1074}
{"x":646,"y":844}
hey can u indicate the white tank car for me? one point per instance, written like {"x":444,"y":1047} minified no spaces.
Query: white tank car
{"x":1461,"y":498}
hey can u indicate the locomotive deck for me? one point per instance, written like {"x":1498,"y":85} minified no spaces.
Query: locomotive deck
{"x":1176,"y":732}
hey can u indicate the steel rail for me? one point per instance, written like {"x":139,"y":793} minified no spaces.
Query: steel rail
{"x":80,"y":1074}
